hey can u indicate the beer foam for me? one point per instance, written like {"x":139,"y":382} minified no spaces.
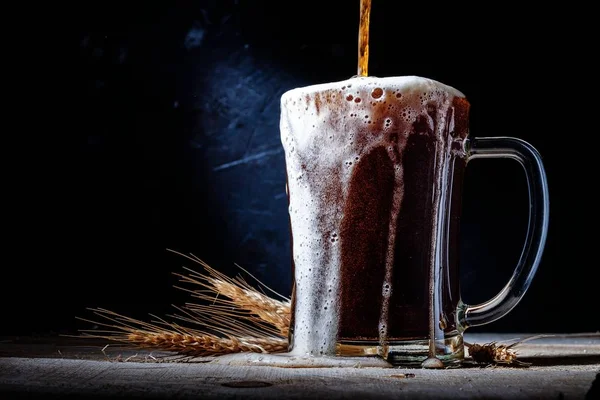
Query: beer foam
{"x":325,"y":130}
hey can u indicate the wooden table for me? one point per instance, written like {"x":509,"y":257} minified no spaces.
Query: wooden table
{"x":565,"y":367}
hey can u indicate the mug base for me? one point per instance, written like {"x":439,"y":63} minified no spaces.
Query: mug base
{"x":409,"y":353}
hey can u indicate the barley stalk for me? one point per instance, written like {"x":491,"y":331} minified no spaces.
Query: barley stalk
{"x":239,"y":296}
{"x":492,"y":353}
{"x":267,"y":309}
{"x":206,"y":345}
{"x":245,"y":320}
{"x":168,"y":336}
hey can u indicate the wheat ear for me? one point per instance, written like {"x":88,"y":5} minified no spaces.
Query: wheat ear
{"x":239,"y":295}
{"x":244,"y":319}
{"x":167,"y":336}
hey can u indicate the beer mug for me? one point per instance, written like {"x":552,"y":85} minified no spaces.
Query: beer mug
{"x":375,"y":172}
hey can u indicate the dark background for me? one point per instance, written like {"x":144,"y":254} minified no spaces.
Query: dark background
{"x":159,"y":129}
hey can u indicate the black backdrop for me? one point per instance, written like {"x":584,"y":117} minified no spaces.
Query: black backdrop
{"x":164,"y":134}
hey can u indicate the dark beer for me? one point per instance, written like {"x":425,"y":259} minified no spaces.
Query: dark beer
{"x":363,"y":37}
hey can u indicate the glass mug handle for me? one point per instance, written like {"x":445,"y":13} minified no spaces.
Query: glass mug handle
{"x":535,"y":239}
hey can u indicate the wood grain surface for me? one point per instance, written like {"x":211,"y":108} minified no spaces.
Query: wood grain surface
{"x":562,"y":368}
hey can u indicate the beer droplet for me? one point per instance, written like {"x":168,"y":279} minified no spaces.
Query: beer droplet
{"x":350,"y":97}
{"x":377,"y":93}
{"x":432,"y":363}
{"x":357,"y":100}
{"x":442,"y":324}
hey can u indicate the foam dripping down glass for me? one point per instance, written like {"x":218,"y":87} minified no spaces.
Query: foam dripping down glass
{"x":375,"y":171}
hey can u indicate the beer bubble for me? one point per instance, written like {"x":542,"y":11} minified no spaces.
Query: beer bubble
{"x":398,"y":95}
{"x":377,"y":93}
